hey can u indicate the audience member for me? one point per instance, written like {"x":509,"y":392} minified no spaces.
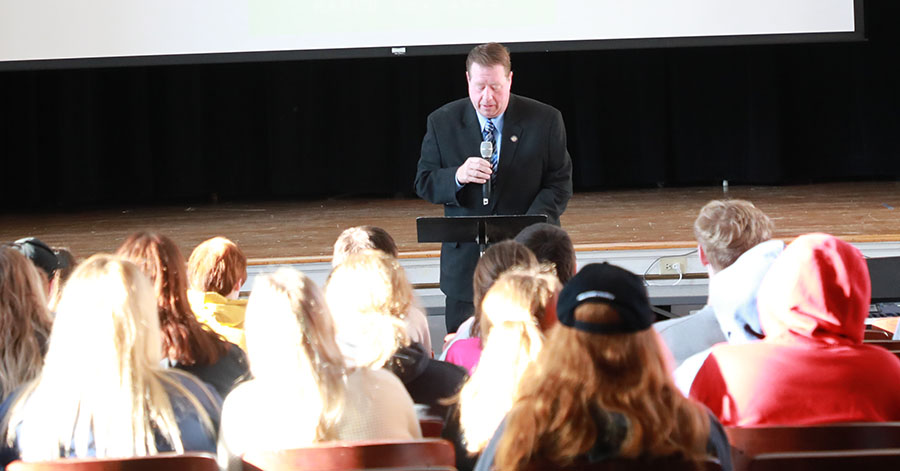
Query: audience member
{"x":812,"y":366}
{"x":187,"y":344}
{"x":551,"y":244}
{"x":24,"y":321}
{"x":102,"y":391}
{"x":465,"y":347}
{"x":514,"y":312}
{"x":43,"y":258}
{"x":301,"y":392}
{"x":600,"y":387}
{"x":216,"y":270}
{"x":735,"y":244}
{"x":368,"y":294}
{"x":359,"y":238}
{"x":67,"y":264}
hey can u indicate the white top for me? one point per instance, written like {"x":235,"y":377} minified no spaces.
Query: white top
{"x":258,"y":416}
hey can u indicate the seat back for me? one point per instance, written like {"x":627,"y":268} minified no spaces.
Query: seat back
{"x":749,"y":442}
{"x":842,"y":460}
{"x":431,"y":428}
{"x":887,"y":344}
{"x":426,"y":455}
{"x":668,"y":463}
{"x":166,"y":461}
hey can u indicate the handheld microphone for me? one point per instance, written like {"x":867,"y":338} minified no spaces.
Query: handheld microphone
{"x":487,"y":150}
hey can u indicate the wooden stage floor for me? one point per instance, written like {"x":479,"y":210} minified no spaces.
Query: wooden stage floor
{"x":304,"y":231}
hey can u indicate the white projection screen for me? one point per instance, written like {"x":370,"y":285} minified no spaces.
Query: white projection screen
{"x":51,"y":34}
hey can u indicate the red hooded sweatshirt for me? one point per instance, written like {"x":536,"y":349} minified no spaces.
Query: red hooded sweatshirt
{"x":812,"y":366}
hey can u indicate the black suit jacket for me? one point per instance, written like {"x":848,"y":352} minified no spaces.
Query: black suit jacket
{"x":534,"y":177}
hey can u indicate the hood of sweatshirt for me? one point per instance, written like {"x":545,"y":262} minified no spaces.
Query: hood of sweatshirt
{"x":818,"y":290}
{"x":733,"y":292}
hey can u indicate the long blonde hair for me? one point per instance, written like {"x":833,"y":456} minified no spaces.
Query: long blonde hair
{"x":24,"y":320}
{"x":101,"y":379}
{"x":580,"y":377}
{"x":292,"y":351}
{"x":368,"y":295}
{"x":512,"y":310}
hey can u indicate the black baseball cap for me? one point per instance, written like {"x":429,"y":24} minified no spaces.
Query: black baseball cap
{"x":609,"y":284}
{"x":39,"y":253}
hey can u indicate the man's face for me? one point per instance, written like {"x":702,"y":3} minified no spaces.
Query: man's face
{"x":489,"y":89}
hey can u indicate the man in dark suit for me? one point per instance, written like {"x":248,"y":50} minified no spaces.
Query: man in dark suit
{"x":532,"y":165}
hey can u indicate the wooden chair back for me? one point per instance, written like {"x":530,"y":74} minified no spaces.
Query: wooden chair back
{"x":747,"y":443}
{"x":877,"y":334}
{"x":427,"y":454}
{"x":668,"y":463}
{"x":431,"y":428}
{"x":888,"y":344}
{"x":166,"y":461}
{"x":841,"y":460}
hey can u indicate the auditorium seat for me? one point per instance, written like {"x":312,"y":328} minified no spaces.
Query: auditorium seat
{"x":877,"y":333}
{"x":167,"y":461}
{"x":841,"y":460}
{"x":891,"y":345}
{"x":431,"y":428}
{"x":749,"y":443}
{"x":668,"y":463}
{"x":427,"y":454}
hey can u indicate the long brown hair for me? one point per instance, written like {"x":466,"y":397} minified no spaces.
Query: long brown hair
{"x":24,"y":320}
{"x":579,"y":377}
{"x":185,"y":340}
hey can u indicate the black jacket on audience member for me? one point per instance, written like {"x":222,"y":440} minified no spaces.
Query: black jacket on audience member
{"x":429,"y":382}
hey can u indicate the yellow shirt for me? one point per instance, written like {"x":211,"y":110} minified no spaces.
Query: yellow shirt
{"x":224,"y":316}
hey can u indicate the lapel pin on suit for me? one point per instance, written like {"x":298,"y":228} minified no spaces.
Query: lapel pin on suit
{"x":514,"y":138}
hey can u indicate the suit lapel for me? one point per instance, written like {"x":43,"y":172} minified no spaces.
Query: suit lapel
{"x":471,"y":131}
{"x":512,"y":132}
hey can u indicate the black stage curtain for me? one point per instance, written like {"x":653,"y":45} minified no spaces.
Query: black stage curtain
{"x":288,"y":130}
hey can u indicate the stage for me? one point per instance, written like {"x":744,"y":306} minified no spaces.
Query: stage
{"x":304,"y":231}
{"x":632,"y":228}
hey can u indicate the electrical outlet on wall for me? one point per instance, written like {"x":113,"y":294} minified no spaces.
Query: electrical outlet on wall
{"x":672,"y":265}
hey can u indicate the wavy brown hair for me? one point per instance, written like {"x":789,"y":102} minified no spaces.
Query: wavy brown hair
{"x":578,"y":377}
{"x":25,"y":321}
{"x":185,"y":339}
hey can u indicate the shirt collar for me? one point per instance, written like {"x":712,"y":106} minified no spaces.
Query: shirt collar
{"x":498,"y":121}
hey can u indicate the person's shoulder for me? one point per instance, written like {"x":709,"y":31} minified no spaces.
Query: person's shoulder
{"x":196,"y":386}
{"x":523,"y":104}
{"x":452,"y":110}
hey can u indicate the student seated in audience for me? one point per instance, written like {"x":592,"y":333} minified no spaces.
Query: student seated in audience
{"x":102,"y":391}
{"x":187,"y":344}
{"x":551,"y":245}
{"x":464,"y":349}
{"x":600,"y":387}
{"x":216,"y":270}
{"x":812,"y":366}
{"x":367,"y":294}
{"x":25,"y":321}
{"x":735,"y":244}
{"x":734,"y":241}
{"x":302,"y":392}
{"x":359,"y":238}
{"x":67,"y":264}
{"x":515,"y":312}
{"x":45,"y":259}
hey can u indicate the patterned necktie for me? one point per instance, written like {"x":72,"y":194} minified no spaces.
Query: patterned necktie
{"x":488,"y":134}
